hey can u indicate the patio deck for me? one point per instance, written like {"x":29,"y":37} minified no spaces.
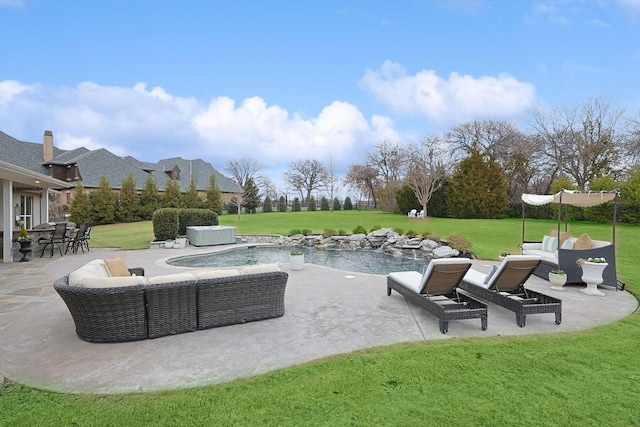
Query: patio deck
{"x":328,"y":312}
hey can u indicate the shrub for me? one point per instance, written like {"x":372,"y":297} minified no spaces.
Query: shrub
{"x":195,"y":217}
{"x":359,"y":230}
{"x":324,"y":204}
{"x":376,"y":227}
{"x":312,"y":204}
{"x":282,"y":204}
{"x":433,"y":237}
{"x":347,"y":204}
{"x":295,"y":231}
{"x":295,"y":206}
{"x":329,"y":233}
{"x":458,"y":242}
{"x":342,"y":232}
{"x":398,"y":230}
{"x":411,"y":233}
{"x":266,"y":207}
{"x":166,"y":223}
{"x":336,"y":204}
{"x":425,"y":234}
{"x":306,"y":232}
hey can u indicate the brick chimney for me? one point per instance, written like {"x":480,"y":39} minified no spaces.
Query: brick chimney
{"x":47,"y":145}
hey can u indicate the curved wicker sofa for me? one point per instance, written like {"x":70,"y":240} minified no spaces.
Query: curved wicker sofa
{"x":173,"y":304}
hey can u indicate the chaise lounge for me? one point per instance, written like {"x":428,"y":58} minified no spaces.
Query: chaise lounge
{"x":504,"y":286}
{"x":436,"y":291}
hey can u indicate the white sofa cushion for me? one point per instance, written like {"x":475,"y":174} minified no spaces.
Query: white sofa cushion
{"x":549,"y":244}
{"x":171,"y":278}
{"x":260,"y":268}
{"x":94,"y":268}
{"x":214,"y":273}
{"x":112,"y":282}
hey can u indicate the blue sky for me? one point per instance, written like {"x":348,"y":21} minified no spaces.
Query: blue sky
{"x":279,"y":81}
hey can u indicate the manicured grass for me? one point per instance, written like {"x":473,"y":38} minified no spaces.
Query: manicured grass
{"x":588,"y":378}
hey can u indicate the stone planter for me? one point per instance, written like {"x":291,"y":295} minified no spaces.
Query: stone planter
{"x":25,"y":250}
{"x":557,"y":281}
{"x":592,"y":276}
{"x":296,"y":261}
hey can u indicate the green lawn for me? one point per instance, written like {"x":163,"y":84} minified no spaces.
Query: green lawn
{"x":589,"y":378}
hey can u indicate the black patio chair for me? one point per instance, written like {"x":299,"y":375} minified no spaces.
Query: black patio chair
{"x":58,"y":238}
{"x":79,"y":240}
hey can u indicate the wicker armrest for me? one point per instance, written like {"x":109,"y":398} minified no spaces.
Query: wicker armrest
{"x":138,"y":271}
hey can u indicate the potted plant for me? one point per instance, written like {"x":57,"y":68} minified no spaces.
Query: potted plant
{"x":25,"y":241}
{"x":296,"y":259}
{"x":592,"y":269}
{"x":557,"y":278}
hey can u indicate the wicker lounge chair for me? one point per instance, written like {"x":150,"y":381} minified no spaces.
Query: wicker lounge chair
{"x":505,"y":287}
{"x":436,"y":291}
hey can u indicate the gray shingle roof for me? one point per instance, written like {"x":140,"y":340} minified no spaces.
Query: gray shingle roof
{"x":93,"y":164}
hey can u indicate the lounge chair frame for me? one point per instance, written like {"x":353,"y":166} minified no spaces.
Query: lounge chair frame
{"x":508,"y":282}
{"x":456,"y":306}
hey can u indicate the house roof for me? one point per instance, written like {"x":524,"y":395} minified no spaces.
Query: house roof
{"x":93,"y":164}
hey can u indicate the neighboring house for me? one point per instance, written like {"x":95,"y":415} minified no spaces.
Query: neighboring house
{"x":29,"y":171}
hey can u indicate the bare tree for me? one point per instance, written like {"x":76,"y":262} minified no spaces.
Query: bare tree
{"x":333,"y":181}
{"x":305,"y":176}
{"x":582,"y":141}
{"x":427,"y":169}
{"x":243,"y":169}
{"x":268,"y":187}
{"x":364,"y":179}
{"x":390,"y":160}
{"x":631,"y":144}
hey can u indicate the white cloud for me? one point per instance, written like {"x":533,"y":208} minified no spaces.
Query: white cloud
{"x":151,"y":124}
{"x":447,"y":101}
{"x":632,"y":6}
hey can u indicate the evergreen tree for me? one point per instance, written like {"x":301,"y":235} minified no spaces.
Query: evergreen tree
{"x":250,"y":197}
{"x":324,"y":204}
{"x":406,"y":199}
{"x":478,"y":188}
{"x":103,"y":201}
{"x":336,"y":204}
{"x":312,"y":204}
{"x":266,"y":207}
{"x":129,"y":201}
{"x":295,"y":206}
{"x":213,"y":200}
{"x":347,"y":204}
{"x":282,"y":204}
{"x":80,"y":209}
{"x":191,"y":197}
{"x":149,"y":198}
{"x":172,"y":197}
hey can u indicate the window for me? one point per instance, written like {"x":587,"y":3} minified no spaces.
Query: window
{"x":26,"y":211}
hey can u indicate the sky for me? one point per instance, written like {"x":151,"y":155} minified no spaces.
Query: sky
{"x":279,"y":81}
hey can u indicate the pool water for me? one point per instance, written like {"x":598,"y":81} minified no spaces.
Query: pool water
{"x":362,"y":261}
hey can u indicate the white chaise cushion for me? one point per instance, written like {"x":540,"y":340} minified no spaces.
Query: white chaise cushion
{"x":408,"y":279}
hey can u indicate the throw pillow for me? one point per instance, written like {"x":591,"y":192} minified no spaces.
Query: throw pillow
{"x":568,"y":244}
{"x":117,"y":267}
{"x":493,"y":270}
{"x":564,"y":235}
{"x":582,"y":242}
{"x":549,"y":244}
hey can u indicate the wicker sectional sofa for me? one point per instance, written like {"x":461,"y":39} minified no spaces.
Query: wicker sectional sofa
{"x":565,"y":258}
{"x":117,"y":308}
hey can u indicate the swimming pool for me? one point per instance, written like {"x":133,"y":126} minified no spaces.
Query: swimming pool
{"x":362,"y":261}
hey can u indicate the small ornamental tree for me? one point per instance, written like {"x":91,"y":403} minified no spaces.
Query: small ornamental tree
{"x":213,"y":200}
{"x":172,"y":197}
{"x":282,"y":204}
{"x":336,"y":204}
{"x":324,"y":204}
{"x":191,"y":197}
{"x":129,"y":201}
{"x":266,"y":206}
{"x":80,"y":209}
{"x":347,"y":204}
{"x":250,"y":197}
{"x":295,"y":206}
{"x":312,"y":204}
{"x":149,"y":198}
{"x":103,"y":201}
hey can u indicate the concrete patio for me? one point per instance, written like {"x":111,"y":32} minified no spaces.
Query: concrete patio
{"x":328,"y":312}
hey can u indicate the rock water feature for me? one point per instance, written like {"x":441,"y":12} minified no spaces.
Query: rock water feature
{"x":384,"y":239}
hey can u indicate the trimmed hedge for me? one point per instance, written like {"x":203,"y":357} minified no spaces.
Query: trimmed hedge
{"x":168,"y":223}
